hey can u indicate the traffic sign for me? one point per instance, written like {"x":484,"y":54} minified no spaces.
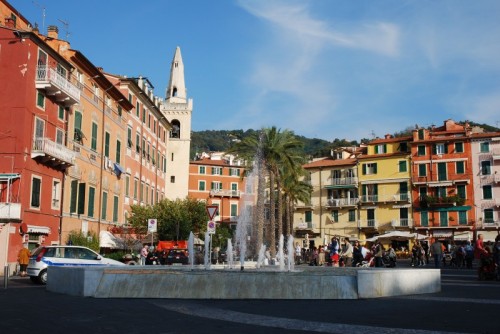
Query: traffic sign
{"x":211,"y":227}
{"x":212,"y":211}
{"x":152,"y":225}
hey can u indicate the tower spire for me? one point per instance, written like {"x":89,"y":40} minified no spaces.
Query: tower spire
{"x":176,"y":90}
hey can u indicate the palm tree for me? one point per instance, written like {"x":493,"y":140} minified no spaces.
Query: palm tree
{"x":295,"y":191}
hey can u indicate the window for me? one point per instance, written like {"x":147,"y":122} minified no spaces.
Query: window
{"x":421,"y":150}
{"x":60,"y":113}
{"x":93,"y":142}
{"x":119,"y":110}
{"x":461,"y":191}
{"x":462,"y":217}
{"x":484,"y":147}
{"x":460,"y":166}
{"x":440,"y":149}
{"x":78,"y":135}
{"x":146,"y":198}
{"x":40,"y":100}
{"x":335,"y":216}
{"x":39,"y":128}
{"x":138,"y":143}
{"x":424,"y":218}
{"x":380,"y":149}
{"x":144,"y":115}
{"x":56,"y":194}
{"x":36,"y":185}
{"x":308,"y":216}
{"x":129,"y":137}
{"x":216,"y":170}
{"x":443,"y":218}
{"x":234,"y":172}
{"x":369,"y":168}
{"x":201,"y":170}
{"x":487,"y":193}
{"x":137,"y":109}
{"x":402,"y":166}
{"x":234,"y":186}
{"x":172,"y":179}
{"x":403,"y":147}
{"x":420,"y":134}
{"x":216,"y":186}
{"x":104,"y":205}
{"x":352,"y":215}
{"x":485,"y":167}
{"x":127,"y":185}
{"x":234,"y":210}
{"x":118,"y":149}
{"x":106,"y":144}
{"x":141,"y":191}
{"x":441,"y":192}
{"x":136,"y":181}
{"x":201,"y":185}
{"x":60,"y":136}
{"x":90,"y":211}
{"x":422,"y":170}
{"x":459,"y":147}
{"x":115,"y":209}
{"x":488,"y":216}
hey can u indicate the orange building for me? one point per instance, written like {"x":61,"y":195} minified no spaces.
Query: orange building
{"x":217,"y":180}
{"x":442,"y":180}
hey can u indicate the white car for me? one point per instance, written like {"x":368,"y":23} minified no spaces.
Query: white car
{"x":46,"y":256}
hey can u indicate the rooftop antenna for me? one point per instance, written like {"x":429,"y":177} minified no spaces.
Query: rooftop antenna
{"x":373,"y":134}
{"x":66,"y":28}
{"x":43,"y":14}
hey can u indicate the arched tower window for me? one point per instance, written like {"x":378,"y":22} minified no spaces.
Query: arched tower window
{"x":174,"y":91}
{"x":176,"y":129}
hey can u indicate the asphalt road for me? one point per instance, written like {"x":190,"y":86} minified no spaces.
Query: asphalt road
{"x":465,"y":305}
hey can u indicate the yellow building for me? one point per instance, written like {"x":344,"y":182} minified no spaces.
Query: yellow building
{"x":384,"y":184}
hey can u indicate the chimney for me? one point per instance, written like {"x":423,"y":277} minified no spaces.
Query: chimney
{"x":388,"y":136}
{"x":52,"y":32}
{"x":10,"y":23}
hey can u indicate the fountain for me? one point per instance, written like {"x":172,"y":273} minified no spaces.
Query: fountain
{"x":261,"y":282}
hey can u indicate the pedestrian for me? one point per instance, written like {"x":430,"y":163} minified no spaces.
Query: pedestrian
{"x":144,"y":254}
{"x":379,"y":253}
{"x":334,"y":255}
{"x":436,"y":251}
{"x":321,"y":256}
{"x":469,"y":254}
{"x":23,"y":257}
{"x":347,"y":253}
{"x":357,"y":254}
{"x":479,"y":247}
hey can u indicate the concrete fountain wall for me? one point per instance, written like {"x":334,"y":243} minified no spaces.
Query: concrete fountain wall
{"x":184,"y":283}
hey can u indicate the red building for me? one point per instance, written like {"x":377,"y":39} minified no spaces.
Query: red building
{"x":442,"y":180}
{"x":35,"y":96}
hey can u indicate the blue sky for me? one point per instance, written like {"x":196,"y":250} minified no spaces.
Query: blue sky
{"x":322,"y":68}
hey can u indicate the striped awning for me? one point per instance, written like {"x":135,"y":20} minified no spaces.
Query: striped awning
{"x":33,"y":229}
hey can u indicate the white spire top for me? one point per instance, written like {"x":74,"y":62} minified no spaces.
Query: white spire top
{"x":176,"y":90}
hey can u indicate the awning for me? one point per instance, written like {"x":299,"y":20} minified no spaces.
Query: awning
{"x":440,"y":184}
{"x":401,"y":206}
{"x":7,"y":177}
{"x":398,"y":235}
{"x":32,"y":229}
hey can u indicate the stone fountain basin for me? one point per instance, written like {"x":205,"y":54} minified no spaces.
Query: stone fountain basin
{"x":265,"y":283}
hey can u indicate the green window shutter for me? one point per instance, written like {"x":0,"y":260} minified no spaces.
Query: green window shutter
{"x":202,"y":186}
{"x":129,"y":137}
{"x":402,"y":166}
{"x":74,"y":194}
{"x":234,"y":210}
{"x":385,"y":148}
{"x":488,"y":216}
{"x":375,"y":189}
{"x":40,"y":101}
{"x":234,"y":186}
{"x":81,"y":198}
{"x":376,"y":149}
{"x":363,"y":167}
{"x":90,"y":212}
{"x":422,"y":170}
{"x":115,"y":209}
{"x":487,"y":193}
{"x":434,"y":149}
{"x":424,"y":218}
{"x":445,"y":148}
{"x":35,"y":193}
{"x":308,"y":216}
{"x":93,"y":143}
{"x":363,"y":190}
{"x":459,"y":147}
{"x":375,"y":168}
{"x":60,"y":113}
{"x":352,"y":215}
{"x":461,"y":191}
{"x":106,"y":144}
{"x":462,"y":217}
{"x":118,"y":151}
{"x":104,"y":205}
{"x":421,"y":150}
{"x":460,"y":167}
{"x":335,"y":216}
{"x":420,"y":134}
{"x":78,"y":126}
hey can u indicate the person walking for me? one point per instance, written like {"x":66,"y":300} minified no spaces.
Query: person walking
{"x":347,"y":253}
{"x":144,"y":254}
{"x":357,"y":254}
{"x":379,"y":253}
{"x":23,"y":257}
{"x":436,"y":251}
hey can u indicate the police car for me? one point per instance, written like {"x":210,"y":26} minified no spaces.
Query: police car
{"x":46,"y":256}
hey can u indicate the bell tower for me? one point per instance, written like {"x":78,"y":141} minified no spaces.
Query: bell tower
{"x":177,"y":109}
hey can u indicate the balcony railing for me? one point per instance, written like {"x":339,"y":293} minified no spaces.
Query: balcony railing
{"x":429,"y":201}
{"x":341,"y":202}
{"x":225,"y":193}
{"x":53,"y":83}
{"x":403,"y":197}
{"x":496,"y":153}
{"x":368,"y":223}
{"x":344,"y":181}
{"x":444,"y":180}
{"x":402,"y":222}
{"x":10,"y":211}
{"x":58,"y":154}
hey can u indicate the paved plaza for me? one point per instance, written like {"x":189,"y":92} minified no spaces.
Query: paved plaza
{"x":465,"y":305}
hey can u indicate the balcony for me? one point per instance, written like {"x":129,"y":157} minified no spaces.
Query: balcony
{"x":402,"y":222}
{"x":369,"y":223}
{"x":224,"y":193}
{"x":440,"y":180}
{"x":10,"y":211}
{"x":445,"y":201}
{"x":348,"y":182}
{"x":342,"y":202}
{"x":496,"y":153}
{"x":53,"y":83}
{"x":56,"y":154}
